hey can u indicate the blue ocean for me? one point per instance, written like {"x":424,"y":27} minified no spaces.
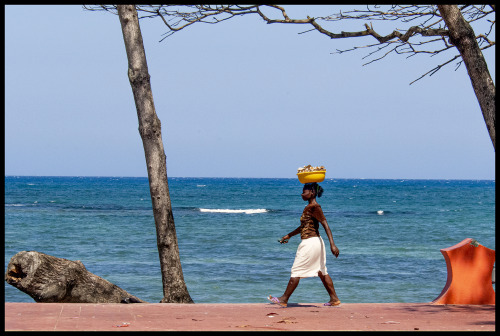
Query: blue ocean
{"x":389,"y":233}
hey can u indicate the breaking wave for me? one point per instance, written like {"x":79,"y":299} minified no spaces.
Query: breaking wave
{"x":245,"y":211}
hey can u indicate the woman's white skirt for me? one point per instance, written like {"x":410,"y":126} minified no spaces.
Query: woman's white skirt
{"x":310,"y":258}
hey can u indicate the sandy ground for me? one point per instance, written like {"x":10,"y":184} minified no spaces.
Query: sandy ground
{"x":248,"y":316}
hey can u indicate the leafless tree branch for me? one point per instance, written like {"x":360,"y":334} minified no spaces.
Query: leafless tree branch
{"x":425,"y":19}
{"x":435,"y":69}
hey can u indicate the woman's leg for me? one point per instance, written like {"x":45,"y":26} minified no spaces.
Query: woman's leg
{"x":292,"y":284}
{"x":328,"y":283}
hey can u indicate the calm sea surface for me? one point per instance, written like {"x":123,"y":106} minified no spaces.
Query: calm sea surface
{"x":389,"y":233}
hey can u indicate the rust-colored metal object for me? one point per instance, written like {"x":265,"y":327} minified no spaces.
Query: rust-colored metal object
{"x":470,"y":267}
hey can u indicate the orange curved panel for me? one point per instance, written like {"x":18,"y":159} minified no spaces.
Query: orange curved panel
{"x":470,"y":266}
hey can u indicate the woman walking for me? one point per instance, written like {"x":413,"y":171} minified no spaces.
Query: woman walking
{"x":310,"y":259}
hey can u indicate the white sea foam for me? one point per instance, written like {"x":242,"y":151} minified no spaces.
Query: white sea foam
{"x":245,"y":211}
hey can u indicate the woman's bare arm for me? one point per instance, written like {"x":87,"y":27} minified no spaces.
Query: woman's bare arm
{"x":333,"y":247}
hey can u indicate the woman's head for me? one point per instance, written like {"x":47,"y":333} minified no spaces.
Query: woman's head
{"x":315,"y":188}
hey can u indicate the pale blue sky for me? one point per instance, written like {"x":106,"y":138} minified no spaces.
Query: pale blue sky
{"x":236,"y":99}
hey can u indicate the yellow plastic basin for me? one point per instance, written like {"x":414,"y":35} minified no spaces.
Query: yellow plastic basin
{"x":308,"y":177}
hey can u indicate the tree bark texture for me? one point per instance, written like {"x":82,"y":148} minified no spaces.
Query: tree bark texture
{"x":174,"y":287}
{"x":463,"y":38}
{"x":50,"y":279}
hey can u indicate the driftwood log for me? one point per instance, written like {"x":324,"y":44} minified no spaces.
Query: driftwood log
{"x":50,"y":279}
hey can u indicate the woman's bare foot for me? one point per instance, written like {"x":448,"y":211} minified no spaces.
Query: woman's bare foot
{"x":276,"y":300}
{"x":332,"y":303}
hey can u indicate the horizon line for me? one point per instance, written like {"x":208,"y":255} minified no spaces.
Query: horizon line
{"x":228,"y":177}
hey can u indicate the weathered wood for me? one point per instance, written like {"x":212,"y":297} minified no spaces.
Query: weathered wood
{"x":464,"y":39}
{"x":174,"y":287}
{"x":50,"y":279}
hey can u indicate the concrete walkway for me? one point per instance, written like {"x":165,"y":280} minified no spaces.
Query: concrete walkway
{"x":248,"y":316}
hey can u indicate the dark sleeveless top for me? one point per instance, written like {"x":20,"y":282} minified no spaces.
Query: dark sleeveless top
{"x":310,"y":219}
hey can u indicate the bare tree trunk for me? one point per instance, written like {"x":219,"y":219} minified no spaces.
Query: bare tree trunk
{"x":174,"y":287}
{"x":49,"y":279}
{"x":462,"y":36}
